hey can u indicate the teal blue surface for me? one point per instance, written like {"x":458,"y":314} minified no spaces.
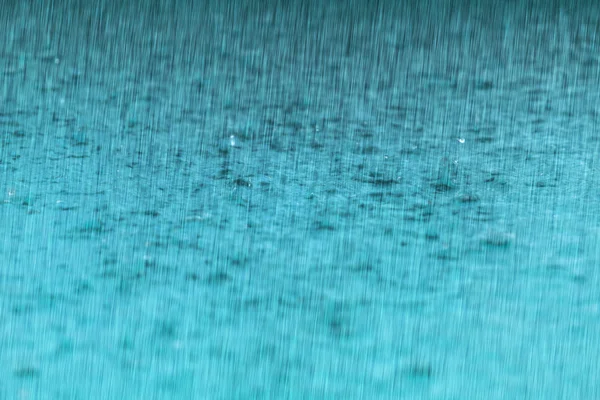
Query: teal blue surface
{"x":235,"y":200}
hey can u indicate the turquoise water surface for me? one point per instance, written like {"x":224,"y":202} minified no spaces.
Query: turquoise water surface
{"x":340,"y":200}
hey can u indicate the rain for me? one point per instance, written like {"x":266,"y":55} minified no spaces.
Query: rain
{"x":244,"y":199}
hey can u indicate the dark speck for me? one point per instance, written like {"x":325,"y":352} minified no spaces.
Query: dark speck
{"x":379,"y":196}
{"x":442,"y":187}
{"x":420,"y":371}
{"x":316,"y":145}
{"x":486,"y":85}
{"x":366,"y":267}
{"x":26,"y":372}
{"x":166,"y":329}
{"x":110,"y":261}
{"x":242,"y":182}
{"x":337,"y":328}
{"x":191,"y":277}
{"x":384,"y":182}
{"x":218,"y":278}
{"x":432,"y":237}
{"x":468,"y":198}
{"x":239,"y":261}
{"x":369,"y":150}
{"x":323,"y":226}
